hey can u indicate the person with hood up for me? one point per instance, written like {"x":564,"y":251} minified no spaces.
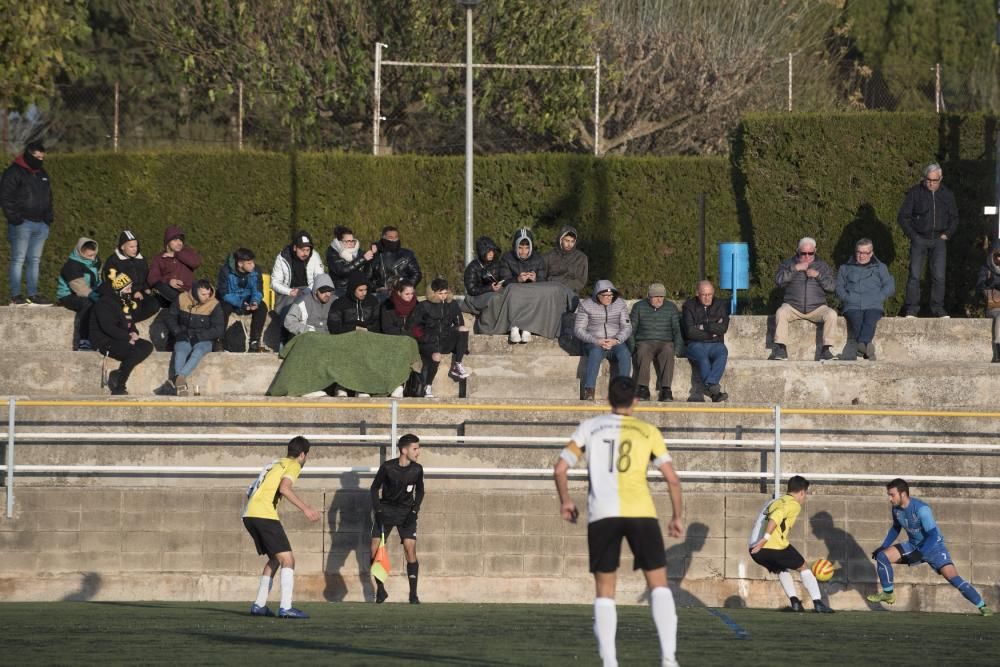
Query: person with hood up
{"x":172,"y":271}
{"x":295,"y":269}
{"x":988,"y":287}
{"x":357,"y":309}
{"x":863,"y":285}
{"x":127,"y":259}
{"x":441,"y":330}
{"x":482,"y":276}
{"x":113,"y":332}
{"x":195,"y":321}
{"x":603,"y":325}
{"x":393,"y":263}
{"x":77,"y":289}
{"x":311,"y":309}
{"x":521,"y":264}
{"x":566,"y":264}
{"x":240,"y":290}
{"x":26,"y":199}
{"x":344,"y":255}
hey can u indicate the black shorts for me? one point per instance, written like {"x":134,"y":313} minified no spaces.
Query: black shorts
{"x":268,"y":536}
{"x":405,"y":525}
{"x":779,"y":560}
{"x":604,"y":537}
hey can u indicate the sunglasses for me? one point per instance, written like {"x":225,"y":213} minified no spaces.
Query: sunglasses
{"x":807,"y":254}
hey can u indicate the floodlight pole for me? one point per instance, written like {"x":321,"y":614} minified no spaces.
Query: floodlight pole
{"x":468,"y":4}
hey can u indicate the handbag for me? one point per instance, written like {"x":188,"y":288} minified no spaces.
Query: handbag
{"x":414,"y":386}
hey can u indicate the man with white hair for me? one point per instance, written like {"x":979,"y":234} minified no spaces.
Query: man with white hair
{"x":929,"y":218}
{"x":806,"y":281}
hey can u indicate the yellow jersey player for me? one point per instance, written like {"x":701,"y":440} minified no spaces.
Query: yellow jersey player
{"x":619,"y":448}
{"x":261,"y":520}
{"x":769,"y":545}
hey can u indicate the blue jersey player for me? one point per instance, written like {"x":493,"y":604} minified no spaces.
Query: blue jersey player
{"x":924,"y":544}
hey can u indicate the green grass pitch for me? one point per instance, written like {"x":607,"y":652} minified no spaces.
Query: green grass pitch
{"x":462,"y":634}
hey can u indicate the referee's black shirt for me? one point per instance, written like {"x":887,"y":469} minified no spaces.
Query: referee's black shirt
{"x":402,"y":487}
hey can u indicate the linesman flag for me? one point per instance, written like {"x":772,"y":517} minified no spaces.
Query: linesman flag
{"x":380,"y":564}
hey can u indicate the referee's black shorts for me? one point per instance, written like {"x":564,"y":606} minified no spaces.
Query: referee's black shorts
{"x":268,"y":536}
{"x":404,"y":523}
{"x":779,"y":560}
{"x":604,"y":537}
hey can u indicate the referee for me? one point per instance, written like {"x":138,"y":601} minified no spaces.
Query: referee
{"x":397,"y":492}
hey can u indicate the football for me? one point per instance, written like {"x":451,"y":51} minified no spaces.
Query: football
{"x":823,"y":569}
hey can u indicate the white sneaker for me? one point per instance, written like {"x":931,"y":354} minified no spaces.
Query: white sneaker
{"x":515,"y":335}
{"x":458,"y":371}
{"x":340,"y":393}
{"x":428,"y":392}
{"x":315,"y":394}
{"x":397,"y":392}
{"x":525,"y":336}
{"x":667,"y":662}
{"x":364,"y":395}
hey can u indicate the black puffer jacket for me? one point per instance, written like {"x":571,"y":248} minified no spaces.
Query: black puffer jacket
{"x":348,"y":313}
{"x":391,"y":265}
{"x":480,"y":274}
{"x":110,"y":318}
{"x":25,"y":193}
{"x":512,"y":265}
{"x":438,"y":322}
{"x":340,"y":269}
{"x":705,"y":325}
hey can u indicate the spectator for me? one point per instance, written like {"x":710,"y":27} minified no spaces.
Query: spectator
{"x":482,"y":276}
{"x":521,"y":264}
{"x":26,"y":199}
{"x":311,"y":310}
{"x":806,"y":281}
{"x":603,"y":325}
{"x":929,"y":218}
{"x":396,"y":315}
{"x":127,"y":259}
{"x":344,"y":256}
{"x":113,"y":332}
{"x":77,"y":289}
{"x":172,"y":271}
{"x":393,"y":263}
{"x":863,"y":285}
{"x":656,"y":338}
{"x":705,"y":320}
{"x":566,"y":264}
{"x":295,"y":269}
{"x":440,"y":330}
{"x":357,"y":309}
{"x":988,"y":286}
{"x":240,"y":289}
{"x":195,"y":321}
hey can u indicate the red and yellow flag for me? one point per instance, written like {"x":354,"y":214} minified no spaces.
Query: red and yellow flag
{"x":380,"y":564}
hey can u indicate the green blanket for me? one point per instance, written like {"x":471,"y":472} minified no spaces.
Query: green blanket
{"x":365,"y":362}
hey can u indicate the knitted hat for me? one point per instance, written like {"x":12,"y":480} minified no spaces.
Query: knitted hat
{"x":657,"y":289}
{"x":125,"y":237}
{"x":119,"y":281}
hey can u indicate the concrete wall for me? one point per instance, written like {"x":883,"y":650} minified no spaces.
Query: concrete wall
{"x":475,"y":545}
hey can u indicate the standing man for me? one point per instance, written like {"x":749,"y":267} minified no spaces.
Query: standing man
{"x":656,"y":337}
{"x":924,"y":544}
{"x":806,"y":280}
{"x":619,"y":448}
{"x":261,"y":520}
{"x":397,"y":491}
{"x":769,"y":546}
{"x":929,"y":218}
{"x":26,"y":199}
{"x":705,"y":320}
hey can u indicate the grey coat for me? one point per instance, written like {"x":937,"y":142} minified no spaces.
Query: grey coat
{"x":803,"y":293}
{"x":595,"y":321}
{"x":864,"y":286}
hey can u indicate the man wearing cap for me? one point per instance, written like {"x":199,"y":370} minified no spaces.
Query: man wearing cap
{"x":656,"y":338}
{"x":26,"y":199}
{"x":295,"y":270}
{"x":311,"y":309}
{"x":128,"y":259}
{"x":113,"y":332}
{"x":172,"y":271}
{"x":603,"y":325}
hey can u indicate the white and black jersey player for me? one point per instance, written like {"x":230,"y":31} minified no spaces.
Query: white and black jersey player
{"x":397,"y":491}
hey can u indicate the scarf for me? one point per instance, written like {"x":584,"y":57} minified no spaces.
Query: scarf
{"x":402,"y":308}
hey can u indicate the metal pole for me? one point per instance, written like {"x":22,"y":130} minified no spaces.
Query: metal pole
{"x":469,"y":255}
{"x":996,"y":163}
{"x":377,"y":120}
{"x":114,"y":139}
{"x":937,"y":87}
{"x":10,"y":456}
{"x":597,"y":106}
{"x":239,"y":119}
{"x":789,"y":81}
{"x":394,"y":428}
{"x":777,"y":451}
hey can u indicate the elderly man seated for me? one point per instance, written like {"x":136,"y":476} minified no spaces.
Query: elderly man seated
{"x":806,"y":281}
{"x":603,"y":325}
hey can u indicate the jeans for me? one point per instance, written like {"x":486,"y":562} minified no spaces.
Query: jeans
{"x":710,"y":358}
{"x":596,"y":354}
{"x":920,"y":248}
{"x":26,"y":243}
{"x":861,"y":324}
{"x":186,"y":356}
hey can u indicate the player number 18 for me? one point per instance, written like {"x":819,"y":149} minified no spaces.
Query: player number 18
{"x":624,"y":460}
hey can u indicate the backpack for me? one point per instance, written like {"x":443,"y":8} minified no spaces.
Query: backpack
{"x":236,"y":338}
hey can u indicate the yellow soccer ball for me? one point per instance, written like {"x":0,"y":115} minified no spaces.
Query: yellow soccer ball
{"x":823,"y":569}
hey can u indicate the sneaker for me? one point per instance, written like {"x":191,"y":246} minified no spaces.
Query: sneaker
{"x":715,"y":392}
{"x":315,"y":394}
{"x":719,"y":397}
{"x":340,"y":393}
{"x":260,"y":611}
{"x":19,"y":300}
{"x":458,"y":370}
{"x":882,"y":596}
{"x":515,"y":335}
{"x":525,"y":336}
{"x":381,"y":595}
{"x":821,"y":607}
{"x":292,"y":612}
{"x":795,"y":604}
{"x":668,"y":662}
{"x":870,"y":352}
{"x":397,"y":392}
{"x":362,"y":394}
{"x":826,"y":354}
{"x":84,"y":345}
{"x":779,"y":353}
{"x":642,"y":393}
{"x":428,"y":392}
{"x":113,"y":381}
{"x":39,"y":300}
{"x":166,"y":389}
{"x":254,"y":346}
{"x":910,"y":316}
{"x":985,"y":611}
{"x":414,"y":599}
{"x":665,"y":394}
{"x":588,"y":394}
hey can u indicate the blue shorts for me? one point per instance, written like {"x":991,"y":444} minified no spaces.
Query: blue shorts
{"x":937,"y":557}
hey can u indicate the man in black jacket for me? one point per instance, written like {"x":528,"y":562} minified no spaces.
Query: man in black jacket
{"x":929,"y":218}
{"x":705,"y":321}
{"x":391,"y":264}
{"x":113,"y":332}
{"x":26,"y":199}
{"x":397,"y":491}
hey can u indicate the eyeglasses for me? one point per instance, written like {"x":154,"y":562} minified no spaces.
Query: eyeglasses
{"x":932,"y":180}
{"x":807,"y":254}
{"x":863,"y":252}
{"x":349,"y":241}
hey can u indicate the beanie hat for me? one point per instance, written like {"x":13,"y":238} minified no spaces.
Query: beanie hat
{"x":301,"y":239}
{"x":33,"y":146}
{"x":119,"y":281}
{"x":657,"y":289}
{"x":125,"y":237}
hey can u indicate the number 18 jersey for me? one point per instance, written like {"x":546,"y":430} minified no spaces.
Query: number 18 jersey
{"x":618,"y":449}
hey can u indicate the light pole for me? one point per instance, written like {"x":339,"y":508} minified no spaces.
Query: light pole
{"x":469,"y":5}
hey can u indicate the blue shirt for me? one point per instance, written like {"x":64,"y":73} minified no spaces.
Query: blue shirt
{"x":918,"y":522}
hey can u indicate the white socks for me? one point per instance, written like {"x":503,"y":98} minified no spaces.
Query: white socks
{"x":287,"y":584}
{"x":605,"y":628}
{"x":263,"y":590}
{"x":787,"y":583}
{"x":809,"y":581}
{"x":661,"y":599}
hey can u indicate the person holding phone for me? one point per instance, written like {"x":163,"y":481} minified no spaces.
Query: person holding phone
{"x":482,"y":276}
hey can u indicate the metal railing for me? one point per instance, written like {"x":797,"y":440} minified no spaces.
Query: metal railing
{"x":774,"y":444}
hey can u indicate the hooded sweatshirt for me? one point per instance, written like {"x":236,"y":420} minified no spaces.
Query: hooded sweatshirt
{"x":194,"y":320}
{"x":480,"y":274}
{"x":595,"y":321}
{"x":26,"y":193}
{"x":308,"y":313}
{"x":348,"y":313}
{"x":180,"y":266}
{"x":237,"y":289}
{"x":567,"y":268}
{"x":512,"y":265}
{"x":79,"y":275}
{"x":989,"y":274}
